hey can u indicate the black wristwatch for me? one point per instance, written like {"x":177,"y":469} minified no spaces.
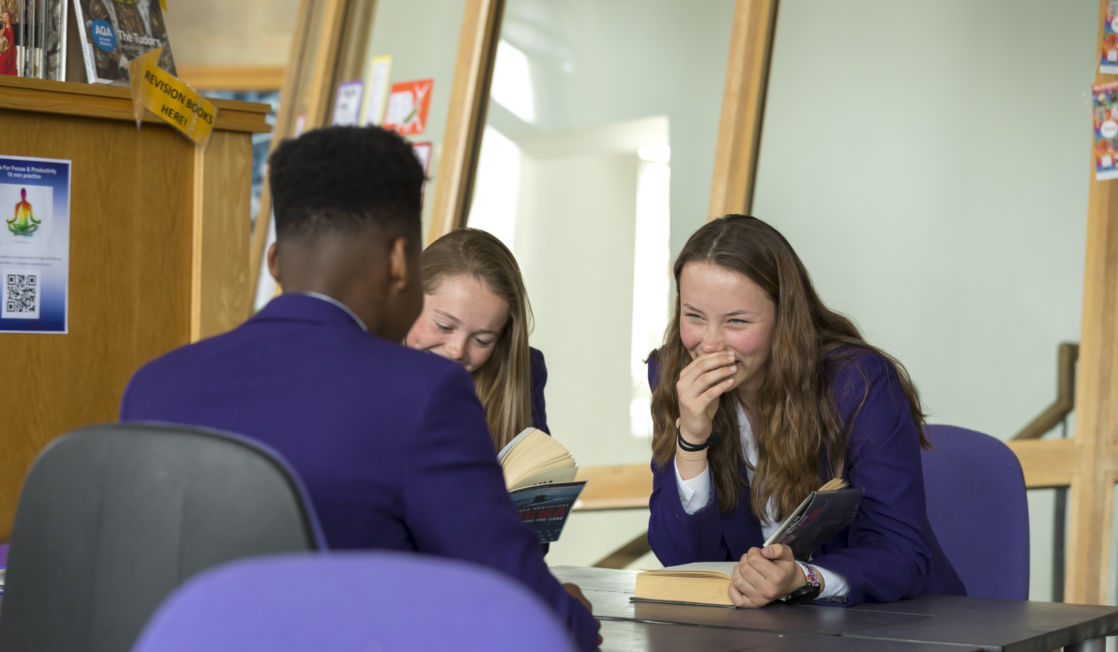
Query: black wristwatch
{"x":808,"y":592}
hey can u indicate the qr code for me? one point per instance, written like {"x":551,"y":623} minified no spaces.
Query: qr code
{"x":21,"y":295}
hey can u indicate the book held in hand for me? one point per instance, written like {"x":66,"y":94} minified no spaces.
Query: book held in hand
{"x":822,"y":515}
{"x":540,"y":476}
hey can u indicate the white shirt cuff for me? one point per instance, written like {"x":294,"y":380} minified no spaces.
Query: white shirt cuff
{"x":835,"y":587}
{"x":694,"y":494}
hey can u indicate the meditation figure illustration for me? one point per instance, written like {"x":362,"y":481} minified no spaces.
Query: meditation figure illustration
{"x":23,"y":222}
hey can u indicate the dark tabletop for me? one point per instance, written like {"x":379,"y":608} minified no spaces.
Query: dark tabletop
{"x":975,"y":623}
{"x":637,"y":636}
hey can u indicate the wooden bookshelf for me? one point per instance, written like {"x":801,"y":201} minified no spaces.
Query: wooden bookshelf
{"x":159,"y":241}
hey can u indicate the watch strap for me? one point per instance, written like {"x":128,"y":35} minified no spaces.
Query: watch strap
{"x":809,"y":591}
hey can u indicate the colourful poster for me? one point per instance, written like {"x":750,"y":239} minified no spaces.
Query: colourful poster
{"x":1104,"y":109}
{"x":408,"y":103}
{"x":34,"y":244}
{"x":1108,"y":57}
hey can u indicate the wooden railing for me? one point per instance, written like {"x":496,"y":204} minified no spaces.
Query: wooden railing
{"x":1054,"y":415}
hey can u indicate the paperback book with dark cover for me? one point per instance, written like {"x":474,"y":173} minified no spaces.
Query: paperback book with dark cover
{"x":544,"y":508}
{"x":822,"y":515}
{"x":540,"y":476}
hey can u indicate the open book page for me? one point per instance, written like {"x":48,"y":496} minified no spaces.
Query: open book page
{"x":533,"y":457}
{"x":512,"y":444}
{"x":698,"y":567}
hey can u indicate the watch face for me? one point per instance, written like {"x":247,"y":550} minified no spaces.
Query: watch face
{"x":805,"y":593}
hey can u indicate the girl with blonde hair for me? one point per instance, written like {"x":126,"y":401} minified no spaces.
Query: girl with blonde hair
{"x":476,"y":312}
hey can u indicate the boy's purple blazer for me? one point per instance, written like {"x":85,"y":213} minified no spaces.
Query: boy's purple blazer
{"x":390,"y":442}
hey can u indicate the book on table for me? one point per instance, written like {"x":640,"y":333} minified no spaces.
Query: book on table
{"x":822,"y":515}
{"x":700,"y":582}
{"x":540,"y":477}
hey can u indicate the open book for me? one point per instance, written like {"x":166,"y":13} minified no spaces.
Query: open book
{"x":701,"y":582}
{"x":540,"y":476}
{"x":822,"y":515}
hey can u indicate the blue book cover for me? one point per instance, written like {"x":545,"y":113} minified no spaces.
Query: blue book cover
{"x":545,"y":507}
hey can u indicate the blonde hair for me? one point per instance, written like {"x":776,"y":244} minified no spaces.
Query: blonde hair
{"x":503,"y":383}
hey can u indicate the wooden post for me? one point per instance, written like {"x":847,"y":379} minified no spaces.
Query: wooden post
{"x":1091,"y":500}
{"x":743,"y":107}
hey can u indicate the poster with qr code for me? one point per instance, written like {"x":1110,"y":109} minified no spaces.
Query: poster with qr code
{"x":34,"y":244}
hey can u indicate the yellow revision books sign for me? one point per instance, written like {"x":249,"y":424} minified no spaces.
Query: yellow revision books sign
{"x":169,"y":98}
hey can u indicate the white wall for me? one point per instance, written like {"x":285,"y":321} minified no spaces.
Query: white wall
{"x":929,"y":162}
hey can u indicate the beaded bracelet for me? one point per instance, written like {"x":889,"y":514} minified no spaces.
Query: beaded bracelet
{"x":694,"y":448}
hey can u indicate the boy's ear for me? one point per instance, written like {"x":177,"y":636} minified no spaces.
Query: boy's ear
{"x":398,"y":272}
{"x":273,"y":262}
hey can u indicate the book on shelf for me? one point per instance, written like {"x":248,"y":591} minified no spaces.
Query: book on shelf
{"x":822,"y":515}
{"x":54,"y":43}
{"x":113,"y":33}
{"x":540,"y":477}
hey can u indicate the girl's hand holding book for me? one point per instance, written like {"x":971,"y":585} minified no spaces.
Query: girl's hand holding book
{"x":764,"y":575}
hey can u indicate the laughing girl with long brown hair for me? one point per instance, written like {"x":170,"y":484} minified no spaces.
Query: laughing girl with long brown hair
{"x":761,"y":394}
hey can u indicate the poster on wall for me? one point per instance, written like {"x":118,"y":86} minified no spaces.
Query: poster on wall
{"x":408,"y":103}
{"x":423,"y":153}
{"x":34,"y":244}
{"x":376,"y":91}
{"x":347,"y":103}
{"x":1104,"y":114}
{"x":1108,"y":57}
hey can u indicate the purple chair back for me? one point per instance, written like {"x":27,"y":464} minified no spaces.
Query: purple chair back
{"x":353,"y":601}
{"x":975,"y":492}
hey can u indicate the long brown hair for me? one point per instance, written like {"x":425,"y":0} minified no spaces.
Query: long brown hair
{"x":795,"y":420}
{"x":503,"y":383}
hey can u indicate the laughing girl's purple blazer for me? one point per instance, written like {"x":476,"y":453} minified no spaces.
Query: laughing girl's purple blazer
{"x":390,"y":442}
{"x":889,"y":552}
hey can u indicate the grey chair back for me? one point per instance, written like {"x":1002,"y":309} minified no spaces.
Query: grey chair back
{"x":113,"y":518}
